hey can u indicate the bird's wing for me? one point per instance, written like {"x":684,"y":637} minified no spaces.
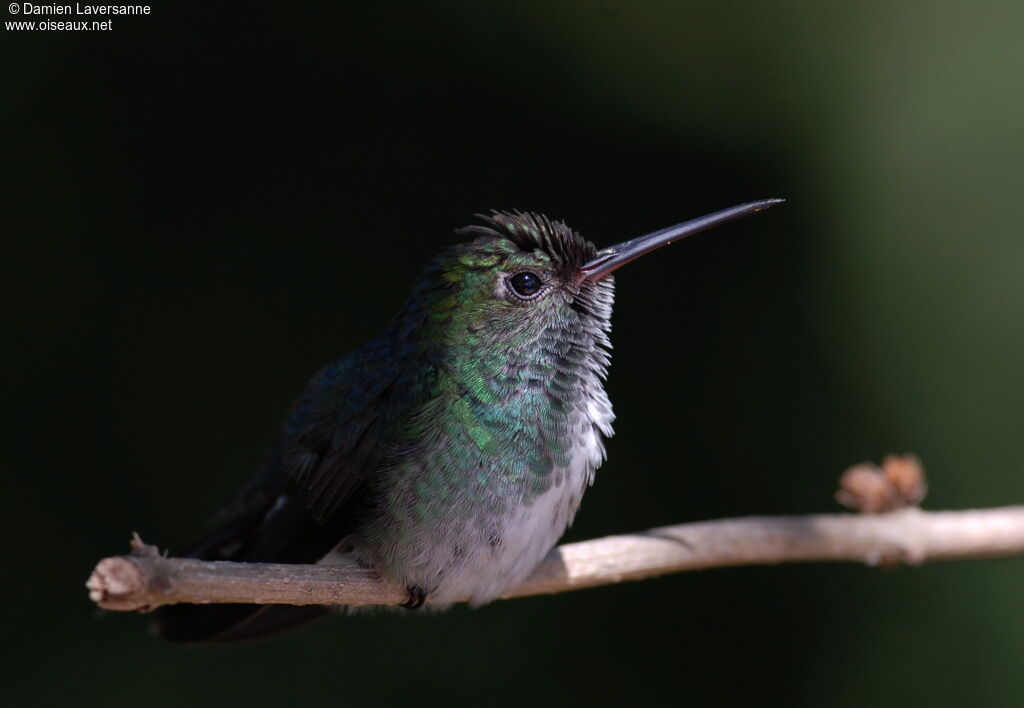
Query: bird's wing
{"x":308,"y":496}
{"x":302,"y":501}
{"x":339,"y":431}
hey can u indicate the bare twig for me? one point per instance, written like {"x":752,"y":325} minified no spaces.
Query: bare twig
{"x":145,"y":580}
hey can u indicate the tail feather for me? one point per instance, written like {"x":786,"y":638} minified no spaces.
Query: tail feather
{"x":223,"y":624}
{"x":288,"y":535}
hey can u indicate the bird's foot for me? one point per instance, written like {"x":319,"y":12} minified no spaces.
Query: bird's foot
{"x":417,"y":596}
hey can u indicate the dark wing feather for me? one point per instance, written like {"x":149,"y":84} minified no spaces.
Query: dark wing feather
{"x":301,"y":505}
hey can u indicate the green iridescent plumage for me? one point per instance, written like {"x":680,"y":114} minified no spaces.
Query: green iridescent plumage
{"x":450,"y":452}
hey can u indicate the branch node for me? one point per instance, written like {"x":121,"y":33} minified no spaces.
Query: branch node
{"x":141,"y":548}
{"x":898,"y":484}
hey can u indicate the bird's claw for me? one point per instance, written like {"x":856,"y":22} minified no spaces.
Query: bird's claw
{"x":417,"y":596}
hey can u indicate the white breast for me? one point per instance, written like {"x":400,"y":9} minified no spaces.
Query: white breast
{"x":533,"y":529}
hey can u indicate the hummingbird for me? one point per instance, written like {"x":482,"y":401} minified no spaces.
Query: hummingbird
{"x":451,"y":452}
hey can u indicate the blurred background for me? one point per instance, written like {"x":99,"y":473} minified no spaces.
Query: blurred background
{"x":201,"y":207}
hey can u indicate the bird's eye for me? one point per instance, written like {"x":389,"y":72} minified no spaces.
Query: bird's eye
{"x":526,"y":284}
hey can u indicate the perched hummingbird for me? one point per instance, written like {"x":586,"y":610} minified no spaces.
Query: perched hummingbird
{"x":451,"y":452}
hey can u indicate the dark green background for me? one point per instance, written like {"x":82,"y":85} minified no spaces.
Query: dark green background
{"x":201,"y":207}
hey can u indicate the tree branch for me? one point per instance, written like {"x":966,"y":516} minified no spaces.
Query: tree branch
{"x":145,"y":580}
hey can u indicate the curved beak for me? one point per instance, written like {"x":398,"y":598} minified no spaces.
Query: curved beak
{"x":614,"y":257}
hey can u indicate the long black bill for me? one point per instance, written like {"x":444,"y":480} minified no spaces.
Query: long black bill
{"x":614,"y":257}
